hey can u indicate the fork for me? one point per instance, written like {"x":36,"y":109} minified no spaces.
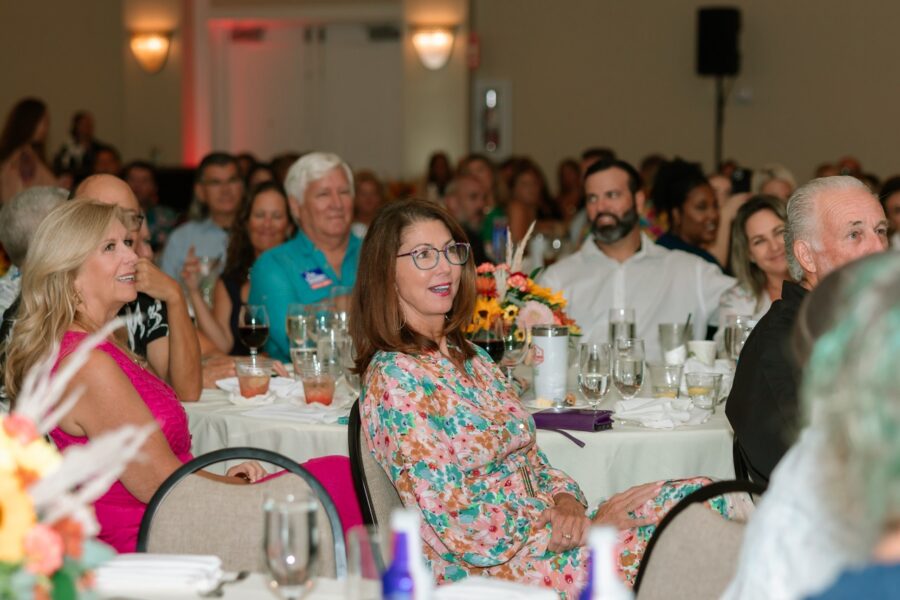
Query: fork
{"x":218,"y":591}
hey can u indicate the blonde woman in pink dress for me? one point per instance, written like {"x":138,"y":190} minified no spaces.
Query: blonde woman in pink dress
{"x":450,"y":433}
{"x":78,"y":273}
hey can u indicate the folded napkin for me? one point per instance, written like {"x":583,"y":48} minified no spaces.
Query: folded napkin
{"x":301,"y":413}
{"x":172,"y":573}
{"x":723,"y":366}
{"x":486,"y":588}
{"x":283,"y":388}
{"x":660,"y":413}
{"x":260,"y":400}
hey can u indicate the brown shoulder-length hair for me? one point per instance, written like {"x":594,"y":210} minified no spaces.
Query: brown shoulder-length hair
{"x":376,"y":321}
{"x":748,"y":273}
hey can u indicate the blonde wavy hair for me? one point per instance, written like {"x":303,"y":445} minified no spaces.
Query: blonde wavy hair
{"x":49,"y":302}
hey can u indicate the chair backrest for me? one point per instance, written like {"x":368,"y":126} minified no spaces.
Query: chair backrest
{"x":375,"y":491}
{"x":190,"y":514}
{"x":694,"y":551}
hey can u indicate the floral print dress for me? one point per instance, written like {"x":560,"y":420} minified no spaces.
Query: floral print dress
{"x":460,"y":447}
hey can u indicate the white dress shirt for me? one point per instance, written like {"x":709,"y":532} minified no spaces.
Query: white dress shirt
{"x":662,"y":286}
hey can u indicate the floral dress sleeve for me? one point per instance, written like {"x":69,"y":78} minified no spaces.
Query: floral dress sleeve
{"x":433,"y":452}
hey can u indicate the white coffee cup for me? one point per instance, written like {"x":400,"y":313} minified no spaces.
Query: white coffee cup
{"x":702,"y":350}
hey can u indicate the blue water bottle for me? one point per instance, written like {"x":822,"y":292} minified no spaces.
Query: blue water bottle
{"x":397,"y":581}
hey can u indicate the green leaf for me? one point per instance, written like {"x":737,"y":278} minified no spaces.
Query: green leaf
{"x":535,"y":273}
{"x":64,"y":586}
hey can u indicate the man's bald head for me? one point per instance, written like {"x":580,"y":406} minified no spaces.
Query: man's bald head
{"x":108,"y":189}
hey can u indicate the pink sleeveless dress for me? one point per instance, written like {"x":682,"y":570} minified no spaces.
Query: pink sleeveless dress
{"x":118,"y":512}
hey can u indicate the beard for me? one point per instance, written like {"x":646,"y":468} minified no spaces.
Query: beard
{"x":615,"y":231}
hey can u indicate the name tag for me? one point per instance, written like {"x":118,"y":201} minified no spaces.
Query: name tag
{"x":316,"y":279}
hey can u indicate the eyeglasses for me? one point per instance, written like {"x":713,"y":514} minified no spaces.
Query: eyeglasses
{"x":427,"y":257}
{"x":134,"y":220}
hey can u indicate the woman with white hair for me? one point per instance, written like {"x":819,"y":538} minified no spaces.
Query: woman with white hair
{"x":323,"y":254}
{"x":834,"y":499}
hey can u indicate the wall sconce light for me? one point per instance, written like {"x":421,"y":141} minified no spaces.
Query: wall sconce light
{"x":433,"y":44}
{"x":151,"y":49}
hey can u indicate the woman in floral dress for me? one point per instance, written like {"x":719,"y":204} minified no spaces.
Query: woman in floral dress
{"x":441,"y":420}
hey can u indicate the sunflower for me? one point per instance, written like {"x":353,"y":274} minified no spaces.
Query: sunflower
{"x":510,"y":311}
{"x":16,"y":519}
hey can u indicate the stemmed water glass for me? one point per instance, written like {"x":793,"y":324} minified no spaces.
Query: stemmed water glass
{"x":593,"y":372}
{"x":253,"y":327}
{"x":515,"y":347}
{"x":628,"y":366}
{"x":291,"y":543}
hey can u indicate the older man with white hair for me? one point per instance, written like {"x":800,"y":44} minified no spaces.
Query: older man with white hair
{"x":324,"y":254}
{"x":831,"y":221}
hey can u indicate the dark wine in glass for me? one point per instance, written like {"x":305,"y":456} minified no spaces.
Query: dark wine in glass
{"x":253,"y":327}
{"x":494,"y":348}
{"x":254,"y":336}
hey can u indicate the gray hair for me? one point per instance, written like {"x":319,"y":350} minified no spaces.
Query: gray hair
{"x":312,"y":167}
{"x":802,"y":223}
{"x":20,"y":217}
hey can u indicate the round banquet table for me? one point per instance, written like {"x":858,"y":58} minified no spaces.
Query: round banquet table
{"x":610,"y":461}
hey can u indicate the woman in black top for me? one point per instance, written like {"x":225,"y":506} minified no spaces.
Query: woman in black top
{"x":264,"y":222}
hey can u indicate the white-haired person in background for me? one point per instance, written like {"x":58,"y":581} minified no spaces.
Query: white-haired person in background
{"x":322,"y":255}
{"x":834,"y":500}
{"x":19,"y":219}
{"x":774,"y":180}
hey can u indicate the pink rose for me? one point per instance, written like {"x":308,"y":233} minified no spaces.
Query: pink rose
{"x":534,"y":313}
{"x":484,"y":268}
{"x":518,"y":281}
{"x":43,"y":550}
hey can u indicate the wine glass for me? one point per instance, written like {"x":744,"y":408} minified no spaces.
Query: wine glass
{"x":515,"y":347}
{"x":348,"y":362}
{"x":291,"y":543}
{"x":628,"y":366}
{"x":297,"y":321}
{"x":253,"y":327}
{"x":621,"y":324}
{"x":593,"y":372}
{"x":491,"y":339}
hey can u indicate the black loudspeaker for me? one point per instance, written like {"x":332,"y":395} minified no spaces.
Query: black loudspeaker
{"x":717,"y":41}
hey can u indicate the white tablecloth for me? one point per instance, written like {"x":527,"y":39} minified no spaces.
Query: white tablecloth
{"x":255,"y":587}
{"x":610,"y":462}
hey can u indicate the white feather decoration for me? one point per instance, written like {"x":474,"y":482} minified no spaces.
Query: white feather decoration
{"x":86,"y":471}
{"x":41,"y":391}
{"x":515,"y":265}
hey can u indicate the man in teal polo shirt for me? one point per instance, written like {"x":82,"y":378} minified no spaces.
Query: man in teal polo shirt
{"x":322,"y":255}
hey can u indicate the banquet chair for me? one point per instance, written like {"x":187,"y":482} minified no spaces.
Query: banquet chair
{"x":376,"y":493}
{"x":196,"y":515}
{"x":694,"y":551}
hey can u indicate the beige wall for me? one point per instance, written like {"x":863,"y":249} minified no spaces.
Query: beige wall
{"x":822,"y":73}
{"x":69,"y":54}
{"x":435,"y":103}
{"x":583,"y":72}
{"x":152,"y":102}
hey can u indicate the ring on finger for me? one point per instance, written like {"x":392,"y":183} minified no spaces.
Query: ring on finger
{"x":567,"y":536}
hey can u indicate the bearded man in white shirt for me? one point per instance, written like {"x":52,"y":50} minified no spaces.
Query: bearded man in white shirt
{"x":620,"y":267}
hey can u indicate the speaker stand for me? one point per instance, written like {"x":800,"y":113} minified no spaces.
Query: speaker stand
{"x":720,"y":121}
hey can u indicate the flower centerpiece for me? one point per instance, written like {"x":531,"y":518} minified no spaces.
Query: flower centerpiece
{"x":509,"y":302}
{"x":46,"y":519}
